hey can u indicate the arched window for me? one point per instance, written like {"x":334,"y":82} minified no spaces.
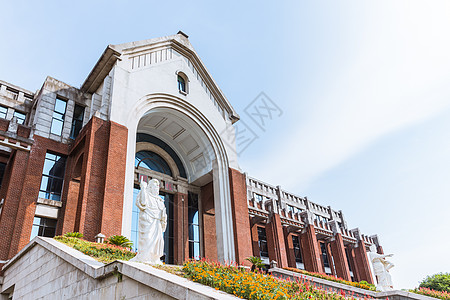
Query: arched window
{"x":181,"y":84}
{"x":152,"y":161}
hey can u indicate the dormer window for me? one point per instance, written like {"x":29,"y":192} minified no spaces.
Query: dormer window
{"x":182,"y":83}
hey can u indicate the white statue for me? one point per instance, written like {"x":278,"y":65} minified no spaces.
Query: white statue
{"x":152,"y":223}
{"x":381,"y":269}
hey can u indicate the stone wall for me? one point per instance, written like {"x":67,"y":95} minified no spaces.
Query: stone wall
{"x":47,"y":269}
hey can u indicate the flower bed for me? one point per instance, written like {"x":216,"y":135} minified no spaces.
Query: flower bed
{"x":432,"y":293}
{"x":102,"y":252}
{"x":362,"y":284}
{"x":251,"y":285}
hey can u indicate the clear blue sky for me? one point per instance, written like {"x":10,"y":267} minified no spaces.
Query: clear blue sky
{"x":364,"y":89}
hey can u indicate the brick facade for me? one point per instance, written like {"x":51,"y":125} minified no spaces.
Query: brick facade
{"x":93,"y":191}
{"x":241,"y":223}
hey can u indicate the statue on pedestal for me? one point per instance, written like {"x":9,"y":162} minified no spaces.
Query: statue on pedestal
{"x":152,"y":223}
{"x":381,"y":269}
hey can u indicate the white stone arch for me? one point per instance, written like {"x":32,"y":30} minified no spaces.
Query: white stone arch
{"x":220,"y":165}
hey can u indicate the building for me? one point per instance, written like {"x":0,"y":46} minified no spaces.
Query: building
{"x":71,"y":160}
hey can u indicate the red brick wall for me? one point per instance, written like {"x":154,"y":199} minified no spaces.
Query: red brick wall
{"x":340,"y":259}
{"x":362,"y":263}
{"x":209,"y":222}
{"x":311,"y":251}
{"x":114,"y":180}
{"x":275,"y":241}
{"x":22,"y":192}
{"x":13,"y":179}
{"x":241,"y":224}
{"x":289,"y":248}
{"x":255,"y":244}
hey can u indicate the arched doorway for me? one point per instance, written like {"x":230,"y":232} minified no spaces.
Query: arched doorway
{"x":195,"y":155}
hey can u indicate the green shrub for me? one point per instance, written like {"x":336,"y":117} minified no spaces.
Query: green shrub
{"x":102,"y":252}
{"x":256,"y":262}
{"x":74,"y":234}
{"x":437,"y":282}
{"x":120,"y":240}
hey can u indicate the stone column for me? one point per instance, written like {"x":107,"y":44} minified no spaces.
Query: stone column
{"x":309,"y":244}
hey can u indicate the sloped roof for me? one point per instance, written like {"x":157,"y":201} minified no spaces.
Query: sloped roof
{"x":179,"y":42}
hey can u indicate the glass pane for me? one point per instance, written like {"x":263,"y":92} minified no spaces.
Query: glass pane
{"x":49,"y":232}
{"x":45,"y":183}
{"x":37,"y":221}
{"x":48,"y":166}
{"x":196,"y":251}
{"x":56,"y":186}
{"x":57,"y":127}
{"x":56,"y":197}
{"x":50,"y":156}
{"x":34,"y":231}
{"x":196,"y":233}
{"x":60,"y":106}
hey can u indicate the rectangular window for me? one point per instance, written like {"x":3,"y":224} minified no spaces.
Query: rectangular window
{"x":349,"y":264}
{"x":258,"y":198}
{"x":58,"y":116}
{"x":52,"y":177}
{"x":43,"y":227}
{"x":2,"y":172}
{"x":77,"y":121}
{"x":297,"y":249}
{"x":193,"y":225}
{"x":262,"y":242}
{"x":325,"y":260}
{"x":20,"y":117}
{"x":3,"y":112}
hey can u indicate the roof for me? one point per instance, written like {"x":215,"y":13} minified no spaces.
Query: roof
{"x":179,"y":42}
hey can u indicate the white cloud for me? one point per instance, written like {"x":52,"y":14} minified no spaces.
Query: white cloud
{"x":399,"y":77}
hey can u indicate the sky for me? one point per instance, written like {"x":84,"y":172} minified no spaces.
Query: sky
{"x":362,"y":86}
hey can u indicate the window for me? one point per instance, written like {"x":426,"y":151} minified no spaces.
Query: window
{"x":262,"y":242}
{"x":77,"y":121}
{"x":20,"y":117}
{"x":2,"y":172}
{"x":258,"y":198}
{"x":325,"y":260}
{"x":58,"y":116}
{"x":43,"y":227}
{"x":293,"y":209}
{"x":182,"y":84}
{"x":3,"y":112}
{"x":193,"y":224}
{"x":297,"y":249}
{"x":152,"y":161}
{"x":52,"y":177}
{"x":349,"y":264}
{"x":321,"y":219}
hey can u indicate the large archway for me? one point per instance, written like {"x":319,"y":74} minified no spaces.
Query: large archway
{"x":184,"y":131}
